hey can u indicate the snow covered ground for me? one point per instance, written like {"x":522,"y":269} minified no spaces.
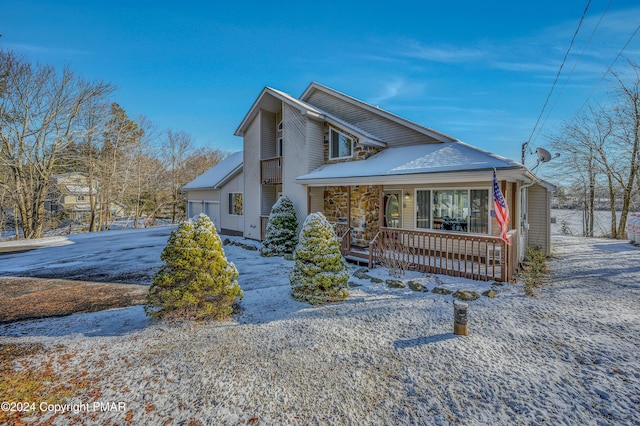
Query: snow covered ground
{"x":384,"y":356}
{"x":571,"y":222}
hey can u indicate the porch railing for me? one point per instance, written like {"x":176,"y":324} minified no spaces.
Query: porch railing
{"x":343,"y":232}
{"x":477,"y":257}
{"x":271,"y":171}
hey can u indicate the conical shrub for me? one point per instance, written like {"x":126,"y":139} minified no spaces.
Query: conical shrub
{"x":320,"y":273}
{"x":196,"y":280}
{"x":280,"y":234}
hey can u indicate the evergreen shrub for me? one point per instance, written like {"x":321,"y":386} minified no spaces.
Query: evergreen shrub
{"x":280,"y":235}
{"x":196,"y":281}
{"x":320,"y":273}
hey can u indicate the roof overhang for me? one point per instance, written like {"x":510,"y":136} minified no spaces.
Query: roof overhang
{"x":271,"y":100}
{"x":514,"y":174}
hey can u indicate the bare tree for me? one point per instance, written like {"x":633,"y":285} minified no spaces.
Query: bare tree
{"x":39,"y":117}
{"x":176,"y":148}
{"x":604,"y":145}
{"x":120,"y":136}
{"x":626,"y":146}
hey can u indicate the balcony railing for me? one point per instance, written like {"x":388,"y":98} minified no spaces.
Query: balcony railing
{"x":271,"y":171}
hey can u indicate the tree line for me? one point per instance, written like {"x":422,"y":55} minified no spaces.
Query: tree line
{"x":600,"y":152}
{"x":54,"y":122}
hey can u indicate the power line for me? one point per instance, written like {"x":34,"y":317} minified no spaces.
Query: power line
{"x":559,"y":71}
{"x":564,"y":86}
{"x":608,"y":69}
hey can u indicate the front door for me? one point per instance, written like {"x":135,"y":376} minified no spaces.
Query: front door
{"x":393,"y":209}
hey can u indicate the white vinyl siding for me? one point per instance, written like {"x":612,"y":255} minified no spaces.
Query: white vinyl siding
{"x":539,"y":218}
{"x":252,"y":190}
{"x":295,"y":163}
{"x":387,"y":130}
{"x":315,"y":144}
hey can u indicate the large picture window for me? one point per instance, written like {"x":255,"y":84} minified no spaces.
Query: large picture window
{"x":340,"y":145}
{"x":235,"y":203}
{"x":465,"y":210}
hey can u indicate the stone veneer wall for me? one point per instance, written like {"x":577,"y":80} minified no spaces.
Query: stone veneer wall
{"x":360,"y":152}
{"x":365,"y":205}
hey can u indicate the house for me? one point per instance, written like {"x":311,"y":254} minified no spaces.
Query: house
{"x":71,"y":193}
{"x":390,"y":186}
{"x":218,"y":193}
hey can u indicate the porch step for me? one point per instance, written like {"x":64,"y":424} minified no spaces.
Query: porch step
{"x":357,"y":258}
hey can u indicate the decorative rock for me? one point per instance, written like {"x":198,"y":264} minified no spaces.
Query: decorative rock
{"x":395,"y":284}
{"x":440,"y":290}
{"x":353,"y":284}
{"x":376,"y":280}
{"x":362,"y":274}
{"x":489,"y":293}
{"x":416,"y":286}
{"x":466,"y":295}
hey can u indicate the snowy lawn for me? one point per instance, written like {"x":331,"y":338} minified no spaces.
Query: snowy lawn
{"x":384,"y":356}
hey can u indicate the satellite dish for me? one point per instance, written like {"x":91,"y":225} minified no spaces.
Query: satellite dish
{"x":543,"y":155}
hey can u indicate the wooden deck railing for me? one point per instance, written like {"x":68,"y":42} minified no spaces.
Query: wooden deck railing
{"x":271,"y":170}
{"x":478,"y":257}
{"x":343,"y":232}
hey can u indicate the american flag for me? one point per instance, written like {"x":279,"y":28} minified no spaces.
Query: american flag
{"x":501,"y":209}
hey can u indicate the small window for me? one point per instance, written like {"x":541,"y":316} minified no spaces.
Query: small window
{"x":341,"y":146}
{"x":280,"y":147}
{"x":235,"y":203}
{"x":80,"y":198}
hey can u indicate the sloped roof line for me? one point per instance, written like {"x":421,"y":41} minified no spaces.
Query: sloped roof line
{"x":442,"y":137}
{"x":415,"y":159}
{"x":311,"y":111}
{"x":219,"y":174}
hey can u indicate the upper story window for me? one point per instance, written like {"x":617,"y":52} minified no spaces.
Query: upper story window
{"x":340,"y":145}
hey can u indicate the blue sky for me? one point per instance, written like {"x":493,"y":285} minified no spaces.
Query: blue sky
{"x":478,"y":71}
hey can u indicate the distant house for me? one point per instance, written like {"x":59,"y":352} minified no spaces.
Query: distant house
{"x":70,"y":193}
{"x":218,"y":193}
{"x":390,"y":186}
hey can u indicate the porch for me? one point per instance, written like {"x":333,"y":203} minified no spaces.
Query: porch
{"x":478,"y":257}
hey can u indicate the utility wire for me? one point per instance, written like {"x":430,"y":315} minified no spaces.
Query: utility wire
{"x":564,"y":86}
{"x":559,"y":71}
{"x":608,"y":69}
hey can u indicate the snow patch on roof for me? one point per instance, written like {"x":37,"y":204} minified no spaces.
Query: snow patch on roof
{"x":213,"y":177}
{"x":424,"y":158}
